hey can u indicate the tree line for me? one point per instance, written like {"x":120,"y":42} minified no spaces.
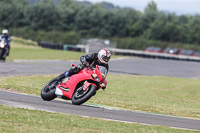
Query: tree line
{"x":66,"y":21}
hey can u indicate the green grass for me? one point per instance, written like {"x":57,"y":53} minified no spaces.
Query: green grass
{"x":24,"y":52}
{"x":15,"y":120}
{"x":29,"y":50}
{"x":17,"y":40}
{"x":174,"y":96}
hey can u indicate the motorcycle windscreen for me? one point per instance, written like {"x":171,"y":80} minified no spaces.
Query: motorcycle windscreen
{"x":103,"y":71}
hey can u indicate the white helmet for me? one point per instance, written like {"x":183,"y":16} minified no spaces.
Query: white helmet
{"x":5,"y":31}
{"x":104,"y":56}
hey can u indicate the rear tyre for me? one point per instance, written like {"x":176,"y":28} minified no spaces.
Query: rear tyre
{"x":81,"y":97}
{"x":48,"y":91}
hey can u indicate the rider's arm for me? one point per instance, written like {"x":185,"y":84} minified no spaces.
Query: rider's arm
{"x":9,"y":40}
{"x":87,"y":59}
{"x":83,"y":59}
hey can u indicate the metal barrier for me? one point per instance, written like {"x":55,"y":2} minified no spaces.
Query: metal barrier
{"x":125,"y":52}
{"x":154,"y":55}
{"x":65,"y":47}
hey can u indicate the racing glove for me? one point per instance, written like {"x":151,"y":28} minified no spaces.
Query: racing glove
{"x":84,"y":62}
{"x":103,"y":86}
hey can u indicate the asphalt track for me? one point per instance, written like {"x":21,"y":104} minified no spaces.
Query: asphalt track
{"x":138,"y":66}
{"x":35,"y":102}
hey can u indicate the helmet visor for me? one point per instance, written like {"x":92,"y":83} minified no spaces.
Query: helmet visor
{"x":105,"y":58}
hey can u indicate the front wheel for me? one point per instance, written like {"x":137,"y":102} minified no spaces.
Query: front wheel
{"x":80,"y":96}
{"x":48,"y":91}
{"x":1,"y":54}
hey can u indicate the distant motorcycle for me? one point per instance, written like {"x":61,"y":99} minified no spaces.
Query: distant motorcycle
{"x":79,"y":87}
{"x":3,"y":49}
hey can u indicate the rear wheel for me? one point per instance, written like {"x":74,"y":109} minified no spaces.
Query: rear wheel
{"x":48,"y":91}
{"x":80,"y":96}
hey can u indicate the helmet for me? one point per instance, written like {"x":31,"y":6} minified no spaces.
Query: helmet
{"x":104,"y":56}
{"x":5,"y":31}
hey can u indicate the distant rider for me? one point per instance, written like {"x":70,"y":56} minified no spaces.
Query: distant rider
{"x":7,"y":39}
{"x":101,"y":59}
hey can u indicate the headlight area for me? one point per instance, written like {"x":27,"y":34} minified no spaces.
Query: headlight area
{"x":94,"y":76}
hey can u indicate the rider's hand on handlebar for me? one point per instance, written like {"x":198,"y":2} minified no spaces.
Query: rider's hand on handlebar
{"x":103,"y":86}
{"x":85,"y":64}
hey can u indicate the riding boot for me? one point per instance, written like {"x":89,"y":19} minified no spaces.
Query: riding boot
{"x":60,"y":77}
{"x":73,"y":70}
{"x":63,"y":75}
{"x":8,"y":51}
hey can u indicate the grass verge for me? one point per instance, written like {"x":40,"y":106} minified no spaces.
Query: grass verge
{"x":33,"y":121}
{"x":25,"y":52}
{"x":174,"y":96}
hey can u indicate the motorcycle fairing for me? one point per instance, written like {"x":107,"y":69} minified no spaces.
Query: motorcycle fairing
{"x":71,"y":84}
{"x":101,"y":76}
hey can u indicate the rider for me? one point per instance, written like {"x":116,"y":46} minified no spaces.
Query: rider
{"x":7,"y":38}
{"x":101,"y":59}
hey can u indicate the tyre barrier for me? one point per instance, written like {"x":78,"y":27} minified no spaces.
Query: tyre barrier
{"x":50,"y":45}
{"x":65,"y":47}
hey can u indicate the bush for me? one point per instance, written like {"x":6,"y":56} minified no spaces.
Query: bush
{"x":70,"y":37}
{"x":138,"y":43}
{"x":141,"y":43}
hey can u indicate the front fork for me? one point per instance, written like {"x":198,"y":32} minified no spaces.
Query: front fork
{"x":86,"y":85}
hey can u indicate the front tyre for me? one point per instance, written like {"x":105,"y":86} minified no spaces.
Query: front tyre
{"x":48,"y":91}
{"x":80,"y":97}
{"x":1,"y":54}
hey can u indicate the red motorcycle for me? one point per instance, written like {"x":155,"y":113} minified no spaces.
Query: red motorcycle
{"x":79,"y":87}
